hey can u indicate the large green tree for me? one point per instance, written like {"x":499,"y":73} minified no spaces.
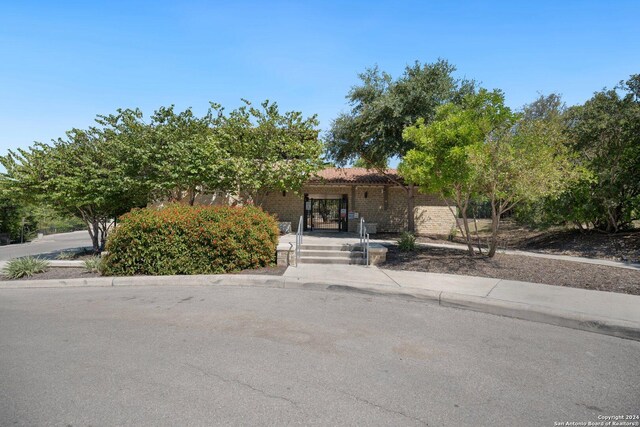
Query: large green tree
{"x":78,"y":175}
{"x":124,"y":162}
{"x":443,"y":162}
{"x":381,"y":107}
{"x":605,"y":133}
{"x":481,"y":149}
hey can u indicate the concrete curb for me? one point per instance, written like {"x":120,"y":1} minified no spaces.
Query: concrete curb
{"x":530,"y":312}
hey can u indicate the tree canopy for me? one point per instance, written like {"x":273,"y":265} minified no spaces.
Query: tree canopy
{"x":605,"y":133}
{"x":481,"y":149}
{"x":124,"y":162}
{"x":381,"y":108}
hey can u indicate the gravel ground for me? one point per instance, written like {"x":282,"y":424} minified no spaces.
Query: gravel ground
{"x":513,"y":267}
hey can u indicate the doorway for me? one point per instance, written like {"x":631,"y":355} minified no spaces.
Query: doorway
{"x":326,"y":214}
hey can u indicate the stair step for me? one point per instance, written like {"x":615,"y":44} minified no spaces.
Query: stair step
{"x":332,"y":260}
{"x":331,"y":254}
{"x":326,"y":247}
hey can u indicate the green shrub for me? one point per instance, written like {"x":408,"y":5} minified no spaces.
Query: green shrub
{"x":181,"y":239}
{"x":93,"y":264}
{"x":407,"y":242}
{"x":21,"y":267}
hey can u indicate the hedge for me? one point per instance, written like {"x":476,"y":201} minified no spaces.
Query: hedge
{"x":182,"y":239}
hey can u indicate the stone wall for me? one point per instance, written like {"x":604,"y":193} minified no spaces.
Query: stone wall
{"x":384,"y":205}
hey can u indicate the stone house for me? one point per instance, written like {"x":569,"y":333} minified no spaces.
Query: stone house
{"x":336,"y":199}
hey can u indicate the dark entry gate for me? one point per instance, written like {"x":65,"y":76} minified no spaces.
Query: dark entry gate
{"x":325,"y":214}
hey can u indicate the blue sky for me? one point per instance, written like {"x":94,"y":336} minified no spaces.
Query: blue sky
{"x":62,"y":63}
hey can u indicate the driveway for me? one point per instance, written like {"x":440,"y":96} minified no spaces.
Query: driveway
{"x":48,"y":246}
{"x":231,"y":355}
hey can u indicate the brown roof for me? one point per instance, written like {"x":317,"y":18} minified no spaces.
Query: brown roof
{"x":355,"y":176}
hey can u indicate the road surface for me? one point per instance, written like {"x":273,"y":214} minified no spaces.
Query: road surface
{"x":48,"y":246}
{"x":233,"y":355}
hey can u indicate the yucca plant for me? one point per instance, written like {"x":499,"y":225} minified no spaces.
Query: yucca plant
{"x":93,"y":264}
{"x":27,"y":266}
{"x":66,"y":255}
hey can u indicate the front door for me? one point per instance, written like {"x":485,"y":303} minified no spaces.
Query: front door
{"x":325,"y":214}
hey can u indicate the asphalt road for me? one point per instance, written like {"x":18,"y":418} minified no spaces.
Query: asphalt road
{"x":255,"y":356}
{"x":48,"y":246}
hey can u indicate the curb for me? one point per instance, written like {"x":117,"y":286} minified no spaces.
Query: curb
{"x":530,"y":312}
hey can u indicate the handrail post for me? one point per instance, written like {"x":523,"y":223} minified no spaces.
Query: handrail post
{"x":299,"y":239}
{"x":367,"y":250}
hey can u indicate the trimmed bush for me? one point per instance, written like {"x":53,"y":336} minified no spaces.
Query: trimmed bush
{"x":27,"y":266}
{"x":182,"y":239}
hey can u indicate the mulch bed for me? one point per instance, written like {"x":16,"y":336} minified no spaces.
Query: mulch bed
{"x":514,"y":267}
{"x":61,"y":273}
{"x":623,"y":246}
{"x":270,"y":271}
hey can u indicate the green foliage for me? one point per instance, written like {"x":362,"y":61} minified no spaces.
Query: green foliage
{"x":93,"y":264}
{"x":21,"y":267}
{"x":52,"y":221}
{"x":66,"y":255}
{"x":480,"y":149}
{"x":267,"y":150}
{"x":78,"y":175}
{"x":181,"y":239}
{"x":382,"y":107}
{"x":605,"y":133}
{"x":16,"y":218}
{"x":444,"y":160}
{"x":407,"y":242}
{"x":124,"y":162}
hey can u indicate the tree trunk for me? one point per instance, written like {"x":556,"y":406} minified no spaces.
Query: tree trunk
{"x":192,"y":196}
{"x":495,"y":224}
{"x":94,"y":232}
{"x":467,"y":232}
{"x":411,"y":225}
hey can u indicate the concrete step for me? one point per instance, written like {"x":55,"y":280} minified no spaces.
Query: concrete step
{"x":331,"y":254}
{"x":312,"y":247}
{"x":332,"y":260}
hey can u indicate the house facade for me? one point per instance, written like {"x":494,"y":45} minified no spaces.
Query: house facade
{"x":335,"y":200}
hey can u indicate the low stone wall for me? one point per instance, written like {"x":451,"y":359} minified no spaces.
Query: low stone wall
{"x":286,"y":255}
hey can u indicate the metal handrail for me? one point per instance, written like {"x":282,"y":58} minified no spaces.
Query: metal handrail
{"x":299,"y":240}
{"x":364,"y":240}
{"x":366,"y":251}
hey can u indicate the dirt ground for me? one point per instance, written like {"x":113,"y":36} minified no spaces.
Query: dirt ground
{"x":515,"y":267}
